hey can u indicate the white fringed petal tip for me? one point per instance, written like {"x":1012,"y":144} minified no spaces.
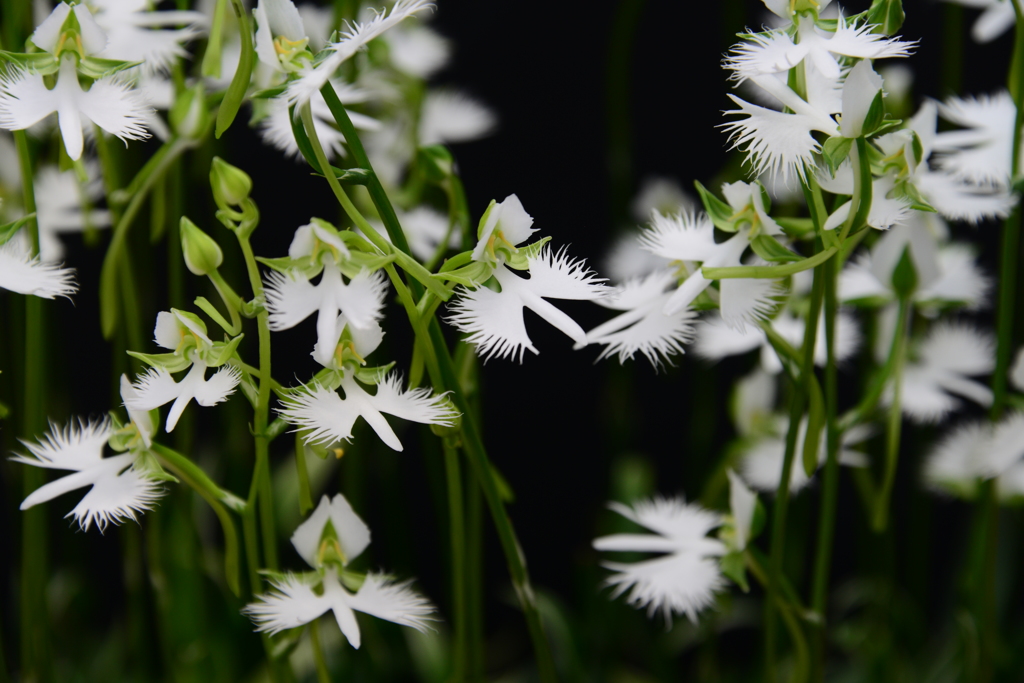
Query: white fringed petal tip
{"x":294,"y":602}
{"x":119,"y":490}
{"x":682,"y":581}
{"x":22,"y":273}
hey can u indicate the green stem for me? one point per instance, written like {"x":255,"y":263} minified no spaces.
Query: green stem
{"x":895,"y":421}
{"x":305,"y":496}
{"x":860,"y":202}
{"x":322,"y":673}
{"x":799,"y":399}
{"x":769,"y":272}
{"x":457,"y":534}
{"x":830,"y":485}
{"x":803,"y":659}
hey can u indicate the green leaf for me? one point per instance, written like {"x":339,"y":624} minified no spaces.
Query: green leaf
{"x":9,"y":230}
{"x":815,"y":423}
{"x":42,"y":63}
{"x":735,"y":567}
{"x":886,"y":15}
{"x":835,"y":150}
{"x":718,"y":211}
{"x":222,"y":352}
{"x":240,"y":83}
{"x":372,"y":375}
{"x":214,"y":44}
{"x":769,"y":248}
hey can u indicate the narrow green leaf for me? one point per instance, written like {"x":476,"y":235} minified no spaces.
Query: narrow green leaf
{"x":718,"y":211}
{"x":240,"y":83}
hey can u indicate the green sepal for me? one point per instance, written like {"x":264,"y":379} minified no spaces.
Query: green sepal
{"x":473,"y":275}
{"x":235,"y":95}
{"x":886,"y":16}
{"x":885,"y":125}
{"x":835,"y":150}
{"x":283,"y":264}
{"x":876,"y":114}
{"x":720,"y":213}
{"x":735,"y":567}
{"x":917,"y":147}
{"x":275,"y":575}
{"x":520,"y":259}
{"x":97,"y":68}
{"x":349,"y":176}
{"x":360,"y":260}
{"x":796,"y":227}
{"x":904,"y":275}
{"x":910,"y":191}
{"x":42,"y":63}
{"x":483,"y":219}
{"x":269,"y":93}
{"x":372,"y":375}
{"x":171,"y":362}
{"x":770,"y":249}
{"x":221,"y":352}
{"x":9,"y":230}
{"x":154,"y":469}
{"x":815,"y":423}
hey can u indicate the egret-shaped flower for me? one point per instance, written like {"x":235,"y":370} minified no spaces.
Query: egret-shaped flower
{"x":977,"y":451}
{"x":330,"y":418}
{"x":120,"y":488}
{"x":133,"y":33}
{"x":328,"y":541}
{"x":685,"y":578}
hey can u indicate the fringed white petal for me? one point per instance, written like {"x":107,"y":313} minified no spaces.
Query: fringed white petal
{"x":75,"y":447}
{"x":290,"y":604}
{"x":449,"y":116}
{"x":416,"y":405}
{"x":960,"y":348}
{"x":685,"y":236}
{"x":22,"y":273}
{"x":682,"y":583}
{"x":220,"y":385}
{"x":646,"y":329}
{"x":774,"y":142}
{"x":959,"y":201}
{"x":361,"y":301}
{"x":291,"y":299}
{"x":716,"y":339}
{"x":746,"y":301}
{"x":152,"y":390}
{"x":383,"y":597}
{"x":323,"y":412}
{"x":685,"y":523}
{"x":113,"y":499}
{"x":554,"y":275}
{"x":961,"y":280}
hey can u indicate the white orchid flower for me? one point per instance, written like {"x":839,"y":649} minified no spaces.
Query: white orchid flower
{"x":996,"y":18}
{"x":977,"y":451}
{"x":157,"y":387}
{"x":334,"y":535}
{"x":26,"y":274}
{"x":981,"y":153}
{"x":291,"y":296}
{"x":449,"y":116}
{"x":946,"y":359}
{"x":330,"y":418}
{"x":685,"y":578}
{"x":119,"y":490}
{"x":417,"y":50}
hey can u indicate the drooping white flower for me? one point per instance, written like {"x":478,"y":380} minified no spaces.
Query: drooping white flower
{"x":157,"y":387}
{"x":996,"y":18}
{"x":355,"y":37}
{"x":110,"y":103}
{"x":946,"y":359}
{"x":330,"y":418}
{"x":685,"y":578}
{"x":449,"y":116}
{"x":135,"y":32}
{"x":26,"y":274}
{"x":331,"y":538}
{"x":119,"y":489}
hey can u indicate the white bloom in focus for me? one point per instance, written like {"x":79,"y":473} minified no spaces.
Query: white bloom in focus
{"x":946,"y":359}
{"x":25,"y":274}
{"x":118,"y":490}
{"x":299,"y":599}
{"x":685,"y":578}
{"x":330,"y":418}
{"x":494,"y":320}
{"x":110,"y":103}
{"x":157,"y":387}
{"x":996,"y":18}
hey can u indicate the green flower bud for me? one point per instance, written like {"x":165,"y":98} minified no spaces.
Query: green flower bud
{"x":189,"y":115}
{"x":231,"y":185}
{"x":202,"y":254}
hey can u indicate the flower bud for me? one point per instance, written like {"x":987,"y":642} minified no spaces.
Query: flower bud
{"x":202,"y":254}
{"x":231,"y":185}
{"x":189,"y":115}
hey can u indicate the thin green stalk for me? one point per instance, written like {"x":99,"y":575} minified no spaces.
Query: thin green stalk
{"x":895,"y":421}
{"x":769,"y":272}
{"x":305,"y":497}
{"x":798,"y":401}
{"x":34,"y":640}
{"x":830,"y":485}
{"x":261,"y":473}
{"x":457,"y":538}
{"x":803,"y":659}
{"x":322,"y":674}
{"x":860,"y":202}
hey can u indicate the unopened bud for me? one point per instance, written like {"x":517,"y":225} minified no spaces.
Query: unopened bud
{"x":231,"y":185}
{"x":189,"y":115}
{"x":202,"y":254}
